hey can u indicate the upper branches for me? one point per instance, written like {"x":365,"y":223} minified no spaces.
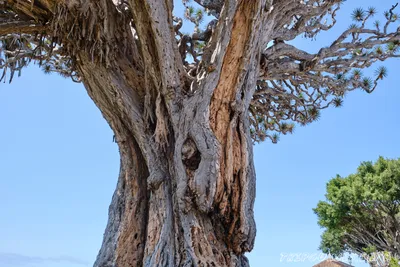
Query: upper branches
{"x":213,"y":6}
{"x":53,"y":33}
{"x":295,"y":85}
{"x":18,"y":50}
{"x":191,"y":45}
{"x":21,"y":41}
{"x":305,"y":17}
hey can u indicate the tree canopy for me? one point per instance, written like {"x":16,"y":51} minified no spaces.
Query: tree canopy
{"x":361,"y":213}
{"x":293,"y":87}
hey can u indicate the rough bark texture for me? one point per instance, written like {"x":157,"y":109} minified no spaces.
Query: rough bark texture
{"x":186,"y":187}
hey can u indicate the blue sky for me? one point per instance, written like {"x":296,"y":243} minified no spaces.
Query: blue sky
{"x":59,"y":167}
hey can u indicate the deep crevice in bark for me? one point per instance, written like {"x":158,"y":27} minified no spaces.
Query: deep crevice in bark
{"x":191,"y":156}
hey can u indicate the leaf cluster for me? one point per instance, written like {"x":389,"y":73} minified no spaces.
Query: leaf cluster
{"x":361,"y":213}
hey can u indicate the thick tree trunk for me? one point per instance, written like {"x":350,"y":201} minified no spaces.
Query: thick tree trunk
{"x":186,"y":186}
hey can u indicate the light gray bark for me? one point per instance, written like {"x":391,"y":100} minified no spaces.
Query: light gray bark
{"x":186,"y":187}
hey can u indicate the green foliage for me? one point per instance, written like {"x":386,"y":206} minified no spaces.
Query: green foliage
{"x":372,"y":11}
{"x":367,"y":82}
{"x":337,"y":102}
{"x":393,"y":261}
{"x":362,"y":211}
{"x":314,"y":113}
{"x":392,"y":47}
{"x":358,"y":14}
{"x":275,"y":138}
{"x":353,"y":26}
{"x":357,"y":74}
{"x":377,"y":24}
{"x":194,"y":15}
{"x":379,"y":50}
{"x":381,"y":72}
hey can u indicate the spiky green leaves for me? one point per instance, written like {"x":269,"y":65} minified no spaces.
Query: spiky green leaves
{"x":314,"y":113}
{"x":337,"y":102}
{"x":358,"y":14}
{"x":286,"y":127}
{"x":367,"y":83}
{"x":199,"y":15}
{"x":275,"y":138}
{"x":377,"y":24}
{"x":393,"y":47}
{"x":194,"y":15}
{"x":379,"y":50}
{"x":371,"y":11}
{"x":392,"y":17}
{"x":353,"y":26}
{"x":381,"y":72}
{"x":357,"y":74}
{"x":46,"y":69}
{"x":263,"y":127}
{"x":357,"y":52}
{"x":189,"y":12}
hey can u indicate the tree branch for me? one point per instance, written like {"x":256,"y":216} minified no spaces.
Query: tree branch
{"x":213,"y":5}
{"x":295,"y":85}
{"x":8,"y":27}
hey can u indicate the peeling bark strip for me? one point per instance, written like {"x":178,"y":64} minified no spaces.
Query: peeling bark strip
{"x":228,"y":108}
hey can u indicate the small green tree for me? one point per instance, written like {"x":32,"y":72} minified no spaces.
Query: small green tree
{"x":361,"y":213}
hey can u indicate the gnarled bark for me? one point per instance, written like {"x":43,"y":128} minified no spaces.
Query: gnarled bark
{"x":186,"y":187}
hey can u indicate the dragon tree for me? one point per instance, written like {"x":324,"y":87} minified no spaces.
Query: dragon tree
{"x":186,"y":108}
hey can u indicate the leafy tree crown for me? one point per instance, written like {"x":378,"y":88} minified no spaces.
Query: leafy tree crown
{"x":361,"y":213}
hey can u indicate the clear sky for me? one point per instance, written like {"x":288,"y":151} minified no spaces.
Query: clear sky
{"x":59,"y":167}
